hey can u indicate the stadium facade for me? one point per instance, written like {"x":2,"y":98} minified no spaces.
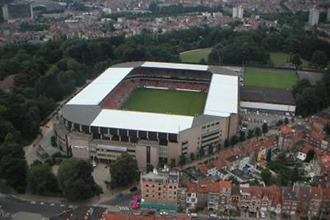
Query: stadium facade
{"x":94,"y":125}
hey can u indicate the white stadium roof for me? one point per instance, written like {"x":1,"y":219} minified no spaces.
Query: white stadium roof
{"x":175,"y":66}
{"x":142,"y":121}
{"x":222,"y":100}
{"x":95,"y":92}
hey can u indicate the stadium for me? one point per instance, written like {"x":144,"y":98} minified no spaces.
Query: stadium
{"x":153,"y":111}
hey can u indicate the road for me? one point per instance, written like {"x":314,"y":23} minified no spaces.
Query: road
{"x":13,"y":205}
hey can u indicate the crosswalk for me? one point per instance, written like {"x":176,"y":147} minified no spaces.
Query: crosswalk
{"x":123,"y":208}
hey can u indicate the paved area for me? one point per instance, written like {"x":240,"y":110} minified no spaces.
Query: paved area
{"x":41,"y":149}
{"x":312,"y":77}
{"x":256,"y":119}
{"x":101,"y":174}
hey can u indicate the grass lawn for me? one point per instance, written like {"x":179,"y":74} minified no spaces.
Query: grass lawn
{"x":273,"y":78}
{"x":166,"y":101}
{"x":194,"y":56}
{"x":280,"y":58}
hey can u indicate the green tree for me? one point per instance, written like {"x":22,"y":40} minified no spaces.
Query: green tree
{"x":264,"y":128}
{"x":124,"y":170}
{"x":226,"y":144}
{"x":150,"y":167}
{"x":242,"y":137}
{"x":319,"y":59}
{"x":172,"y":163}
{"x":182,"y":160}
{"x":310,"y":156}
{"x":201,"y":152}
{"x":269,"y":156}
{"x":296,"y":60}
{"x":234,"y":140}
{"x":250,"y":134}
{"x":76,"y":180}
{"x":13,"y":166}
{"x":266,"y":176}
{"x":41,"y":180}
{"x":257,"y":131}
{"x":210,"y":149}
{"x":192,"y":156}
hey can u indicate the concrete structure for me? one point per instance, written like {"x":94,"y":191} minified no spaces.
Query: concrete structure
{"x":159,"y":189}
{"x":238,"y":12}
{"x":313,"y":18}
{"x":152,"y":138}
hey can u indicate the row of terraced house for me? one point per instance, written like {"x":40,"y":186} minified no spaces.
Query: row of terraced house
{"x":162,"y":190}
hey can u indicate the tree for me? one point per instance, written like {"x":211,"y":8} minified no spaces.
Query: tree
{"x":296,"y":60}
{"x":279,"y":122}
{"x":192,"y":156}
{"x":242,"y":137}
{"x":172,"y":163}
{"x":210,"y":149}
{"x":150,"y":167}
{"x":201,"y":152}
{"x":13,"y":166}
{"x":182,"y":160}
{"x":319,"y":58}
{"x":327,"y":129}
{"x":264,"y":128}
{"x":269,"y":156}
{"x":234,"y":140}
{"x":233,"y":180}
{"x":124,"y":170}
{"x":266,"y":176}
{"x":250,"y":134}
{"x":76,"y":180}
{"x":310,"y":156}
{"x":226,"y":144}
{"x":257,"y":131}
{"x":41,"y":179}
{"x":286,"y":121}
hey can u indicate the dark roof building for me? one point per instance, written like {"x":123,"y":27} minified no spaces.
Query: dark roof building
{"x":270,"y":99}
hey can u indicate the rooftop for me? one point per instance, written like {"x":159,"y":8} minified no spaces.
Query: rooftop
{"x":267,"y":95}
{"x":84,"y":108}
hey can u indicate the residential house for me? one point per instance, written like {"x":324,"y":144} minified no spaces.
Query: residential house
{"x":206,"y":193}
{"x":302,"y":153}
{"x":289,"y":202}
{"x":315,"y":139}
{"x":223,"y":174}
{"x":315,"y":201}
{"x":234,"y":197}
{"x":303,"y":195}
{"x":325,"y":205}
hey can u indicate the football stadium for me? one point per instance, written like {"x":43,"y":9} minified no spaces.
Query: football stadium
{"x":154,"y":111}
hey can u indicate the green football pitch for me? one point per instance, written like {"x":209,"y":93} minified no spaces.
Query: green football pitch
{"x":273,"y":78}
{"x":166,"y":101}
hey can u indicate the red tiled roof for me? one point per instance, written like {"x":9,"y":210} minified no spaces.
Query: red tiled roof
{"x":305,"y":149}
{"x":217,"y":164}
{"x":317,"y":135}
{"x":207,"y":185}
{"x":285,"y":129}
{"x":326,"y":193}
{"x":326,"y":160}
{"x":276,"y":192}
{"x":202,"y":168}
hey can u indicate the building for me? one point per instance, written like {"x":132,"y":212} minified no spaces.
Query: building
{"x":286,"y":137}
{"x":15,"y":11}
{"x":267,"y":100}
{"x":159,"y":189}
{"x":152,"y":138}
{"x":238,"y":12}
{"x":216,"y":195}
{"x":290,"y":201}
{"x":142,"y":216}
{"x":313,"y":18}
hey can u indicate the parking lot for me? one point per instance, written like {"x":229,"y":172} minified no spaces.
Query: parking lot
{"x":255,"y":119}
